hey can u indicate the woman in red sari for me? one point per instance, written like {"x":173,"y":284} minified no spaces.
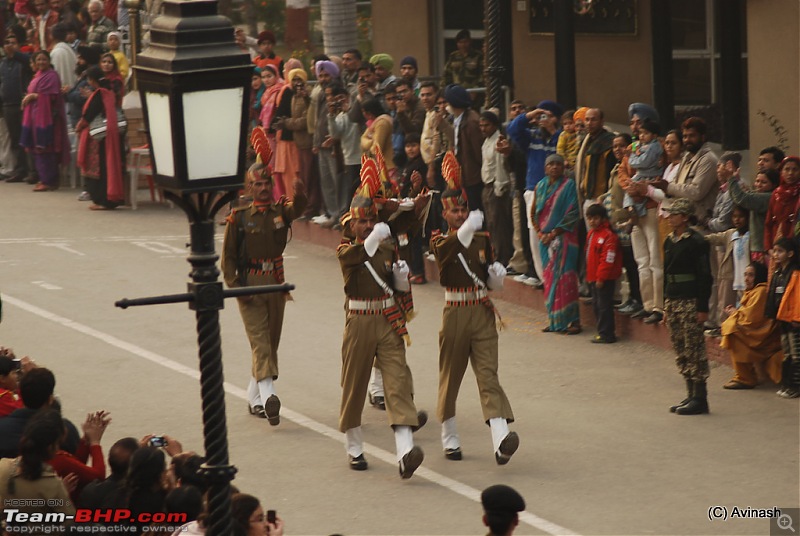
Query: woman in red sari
{"x":100,"y":160}
{"x":44,"y":123}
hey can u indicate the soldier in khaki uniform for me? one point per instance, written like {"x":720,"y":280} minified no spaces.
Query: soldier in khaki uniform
{"x":469,"y":333}
{"x":252,"y":254}
{"x":375,"y":330}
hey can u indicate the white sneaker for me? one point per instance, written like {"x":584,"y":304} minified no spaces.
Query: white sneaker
{"x":789,"y":393}
{"x":319,"y":220}
{"x":521,"y":278}
{"x":533,"y":282}
{"x":84,"y":196}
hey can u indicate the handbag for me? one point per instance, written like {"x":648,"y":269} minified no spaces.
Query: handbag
{"x":99,"y":125}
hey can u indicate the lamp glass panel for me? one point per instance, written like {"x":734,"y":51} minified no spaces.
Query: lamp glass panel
{"x":160,"y":124}
{"x":213,"y":121}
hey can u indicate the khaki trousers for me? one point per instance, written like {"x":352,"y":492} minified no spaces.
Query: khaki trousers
{"x":648,"y":252}
{"x":469,"y":335}
{"x":263,"y":322}
{"x":369,"y":338}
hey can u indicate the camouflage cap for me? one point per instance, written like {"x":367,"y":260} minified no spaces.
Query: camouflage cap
{"x":681,"y":206}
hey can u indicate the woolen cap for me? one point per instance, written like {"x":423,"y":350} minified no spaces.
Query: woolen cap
{"x":551,"y":106}
{"x":409,"y":60}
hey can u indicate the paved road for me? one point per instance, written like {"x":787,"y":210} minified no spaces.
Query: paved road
{"x":599,"y":452}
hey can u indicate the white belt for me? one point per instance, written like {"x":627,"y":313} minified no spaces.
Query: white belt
{"x":369,"y":305}
{"x":465,"y":295}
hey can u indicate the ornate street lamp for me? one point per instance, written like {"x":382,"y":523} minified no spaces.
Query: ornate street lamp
{"x":195,"y":85}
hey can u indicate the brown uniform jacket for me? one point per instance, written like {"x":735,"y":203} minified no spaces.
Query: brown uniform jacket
{"x":479,"y":256}
{"x":358,"y":281}
{"x":263,"y":235}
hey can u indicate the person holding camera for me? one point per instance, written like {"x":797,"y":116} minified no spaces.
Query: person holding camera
{"x":348,"y":134}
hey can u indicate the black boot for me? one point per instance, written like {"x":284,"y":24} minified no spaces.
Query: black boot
{"x":698,"y":403}
{"x":689,"y":391}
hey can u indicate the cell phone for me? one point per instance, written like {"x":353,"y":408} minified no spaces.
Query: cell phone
{"x":158,"y":441}
{"x":543,"y":117}
{"x":271,"y":516}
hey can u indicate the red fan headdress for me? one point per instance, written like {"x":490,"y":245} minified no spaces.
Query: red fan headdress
{"x":258,"y":139}
{"x":454,"y":195}
{"x":363,"y":205}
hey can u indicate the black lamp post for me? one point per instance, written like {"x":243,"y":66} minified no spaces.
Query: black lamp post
{"x":195,"y":85}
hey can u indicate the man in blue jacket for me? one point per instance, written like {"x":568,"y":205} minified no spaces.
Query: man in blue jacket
{"x":538,"y":130}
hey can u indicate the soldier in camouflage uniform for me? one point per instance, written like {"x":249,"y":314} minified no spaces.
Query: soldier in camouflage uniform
{"x":464,"y":66}
{"x":687,"y":288}
{"x":252,"y":254}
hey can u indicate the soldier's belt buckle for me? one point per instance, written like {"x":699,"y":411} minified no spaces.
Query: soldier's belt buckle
{"x":267,"y":266}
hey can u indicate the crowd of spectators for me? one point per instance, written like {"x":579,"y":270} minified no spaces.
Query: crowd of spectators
{"x":43,"y":456}
{"x":64,"y":72}
{"x":535,"y":173}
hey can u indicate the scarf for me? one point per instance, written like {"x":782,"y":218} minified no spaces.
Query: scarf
{"x":114,"y":188}
{"x":38,"y":122}
{"x":269,"y":101}
{"x":781,"y":212}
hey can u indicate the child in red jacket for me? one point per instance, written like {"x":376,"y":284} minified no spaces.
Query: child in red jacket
{"x":603,"y":268}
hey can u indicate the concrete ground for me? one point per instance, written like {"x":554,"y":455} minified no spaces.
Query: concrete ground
{"x":599,"y":454}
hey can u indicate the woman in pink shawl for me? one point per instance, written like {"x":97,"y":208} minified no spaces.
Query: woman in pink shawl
{"x":44,"y":123}
{"x":269,"y":103}
{"x":100,"y":160}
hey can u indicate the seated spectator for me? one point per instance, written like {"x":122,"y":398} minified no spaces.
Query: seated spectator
{"x":30,"y":476}
{"x":249,"y":518}
{"x":67,"y":465}
{"x":36,"y":390}
{"x":752,"y":338}
{"x":185,"y":500}
{"x":95,"y":495}
{"x":184,"y":470}
{"x":10,"y":400}
{"x":146,"y":483}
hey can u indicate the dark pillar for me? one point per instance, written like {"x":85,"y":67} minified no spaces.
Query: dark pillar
{"x":566,"y":86}
{"x":663,"y":93}
{"x":731,"y":84}
{"x":494,"y":67}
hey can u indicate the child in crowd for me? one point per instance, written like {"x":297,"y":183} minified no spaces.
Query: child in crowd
{"x":735,"y":243}
{"x":785,"y":283}
{"x":603,"y":268}
{"x":114,"y":42}
{"x":646,"y":159}
{"x":410,"y":184}
{"x":9,"y":384}
{"x":568,"y":145}
{"x":687,"y":288}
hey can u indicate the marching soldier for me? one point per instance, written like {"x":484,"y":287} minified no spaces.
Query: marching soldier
{"x":252,"y":254}
{"x":376,"y":286}
{"x":469,"y":333}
